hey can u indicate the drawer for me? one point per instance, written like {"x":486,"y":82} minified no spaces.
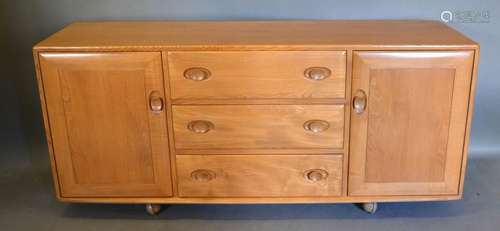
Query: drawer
{"x":258,"y":126}
{"x":259,"y":176}
{"x":257,"y":74}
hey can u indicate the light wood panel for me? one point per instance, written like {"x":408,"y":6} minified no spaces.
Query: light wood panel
{"x":258,"y":126}
{"x":409,"y":140}
{"x":107,"y":141}
{"x":257,"y":35}
{"x":264,"y":200}
{"x":257,"y":75}
{"x":347,"y":123}
{"x":412,"y":107}
{"x":259,"y":176}
{"x":470,"y":110}
{"x":168,"y":114}
{"x":48,"y":133}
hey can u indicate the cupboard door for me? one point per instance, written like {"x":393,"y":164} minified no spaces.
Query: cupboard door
{"x":408,"y":122}
{"x":107,"y":123}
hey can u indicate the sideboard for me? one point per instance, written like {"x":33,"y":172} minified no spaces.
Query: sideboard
{"x":257,"y":112}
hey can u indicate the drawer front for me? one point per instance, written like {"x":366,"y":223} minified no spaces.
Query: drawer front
{"x":257,"y":74}
{"x":258,"y":126}
{"x":259,"y":176}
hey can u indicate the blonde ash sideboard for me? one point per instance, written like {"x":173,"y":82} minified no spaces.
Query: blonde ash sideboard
{"x":257,"y":111}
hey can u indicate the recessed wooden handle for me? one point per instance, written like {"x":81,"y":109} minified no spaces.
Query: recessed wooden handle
{"x":197,"y":73}
{"x":203,"y":175}
{"x":316,"y":125}
{"x":317,"y":73}
{"x":316,"y":175}
{"x":200,"y":126}
{"x":359,"y":102}
{"x":155,"y":102}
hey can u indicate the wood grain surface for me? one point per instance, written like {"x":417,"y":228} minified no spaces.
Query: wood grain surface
{"x":106,"y":141}
{"x":257,"y":75}
{"x":409,"y":140}
{"x":258,"y":126}
{"x":259,"y":176}
{"x":231,"y":35}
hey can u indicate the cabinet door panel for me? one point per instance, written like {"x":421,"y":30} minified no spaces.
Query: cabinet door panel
{"x":409,"y":138}
{"x":107,"y":142}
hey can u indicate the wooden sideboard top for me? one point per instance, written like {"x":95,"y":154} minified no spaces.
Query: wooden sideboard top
{"x":254,"y":35}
